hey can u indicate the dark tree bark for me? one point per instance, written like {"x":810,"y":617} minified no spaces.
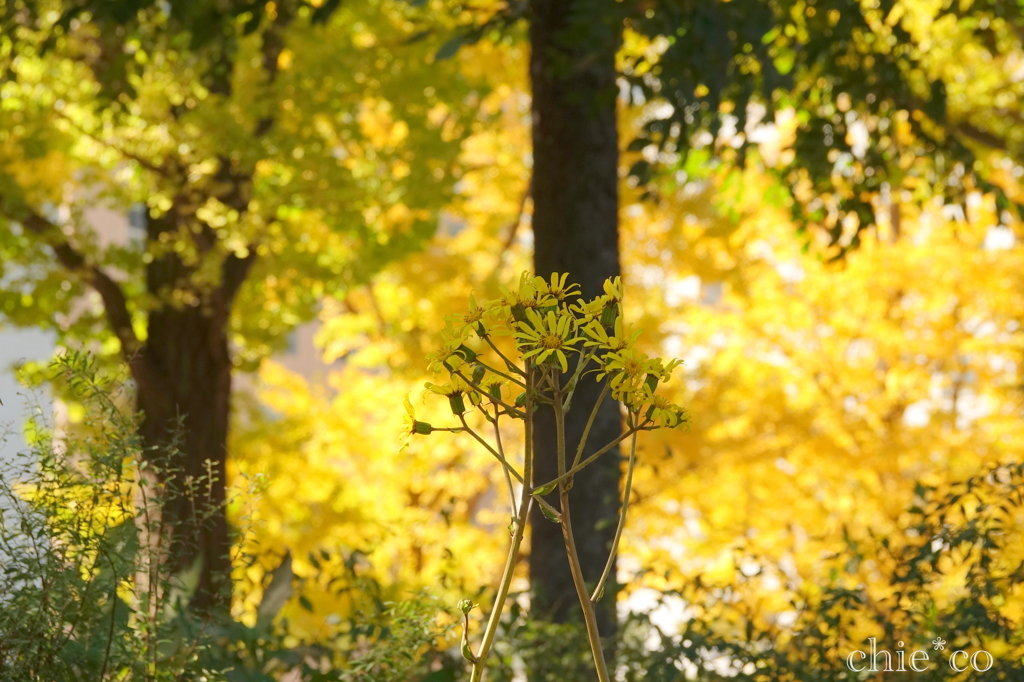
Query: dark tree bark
{"x":575,"y":225}
{"x":185,"y":402}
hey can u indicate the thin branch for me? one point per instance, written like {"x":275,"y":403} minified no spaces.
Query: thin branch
{"x":590,"y":423}
{"x":501,"y":451}
{"x":588,"y":460}
{"x":115,"y":303}
{"x":508,"y":363}
{"x":491,"y":450}
{"x":984,"y":137}
{"x":599,"y":589}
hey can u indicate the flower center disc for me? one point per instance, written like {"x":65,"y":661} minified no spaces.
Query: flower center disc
{"x":551,"y":341}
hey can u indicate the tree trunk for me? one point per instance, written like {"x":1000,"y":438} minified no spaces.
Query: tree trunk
{"x":185,"y":404}
{"x":575,"y":225}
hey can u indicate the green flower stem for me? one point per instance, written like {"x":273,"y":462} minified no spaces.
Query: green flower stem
{"x":574,"y":470}
{"x":590,"y":423}
{"x":501,"y":451}
{"x":504,"y":462}
{"x":510,"y":564}
{"x":479,"y":389}
{"x":581,"y":364}
{"x":559,"y":426}
{"x":589,"y":615}
{"x":512,"y":367}
{"x":599,"y":590}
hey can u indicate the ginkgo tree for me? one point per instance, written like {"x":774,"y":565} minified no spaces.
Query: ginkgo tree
{"x":287,"y":157}
{"x":832,"y":404}
{"x":887,"y":102}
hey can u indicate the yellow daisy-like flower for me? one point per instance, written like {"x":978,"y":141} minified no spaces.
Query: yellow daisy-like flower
{"x":623,"y":337}
{"x":514,"y":304}
{"x":411,"y":426}
{"x":550,"y":336}
{"x":662,"y":412}
{"x":591,"y":310}
{"x":474,"y":319}
{"x":454,"y":391}
{"x":613,"y":289}
{"x":628,"y":370}
{"x":557,"y":287}
{"x":496,"y":387}
{"x":453,"y":351}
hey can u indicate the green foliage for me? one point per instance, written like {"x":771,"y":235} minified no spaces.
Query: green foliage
{"x":82,"y":597}
{"x":297,"y":149}
{"x":86,"y":594}
{"x":952,"y":575}
{"x":845,"y":68}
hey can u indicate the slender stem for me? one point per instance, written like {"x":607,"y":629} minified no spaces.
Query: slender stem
{"x":503,"y":375}
{"x":559,"y":426}
{"x":501,"y":451}
{"x":599,"y":590}
{"x":589,"y":615}
{"x":499,"y":600}
{"x":517,"y":538}
{"x":508,"y":467}
{"x":508,"y":363}
{"x":479,"y":389}
{"x":574,"y":470}
{"x":554,"y":512}
{"x":581,"y":363}
{"x":590,"y":423}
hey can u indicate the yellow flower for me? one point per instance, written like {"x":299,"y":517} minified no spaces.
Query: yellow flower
{"x":550,"y":336}
{"x":454,"y":391}
{"x":628,"y":370}
{"x":411,"y":426}
{"x":558,"y":287}
{"x":453,"y":351}
{"x":624,"y":336}
{"x":591,"y":310}
{"x":496,"y":387}
{"x":662,"y":412}
{"x":613,"y":289}
{"x":514,"y":304}
{"x":475,"y":319}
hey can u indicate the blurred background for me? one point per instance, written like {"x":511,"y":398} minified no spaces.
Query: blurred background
{"x":260,"y":214}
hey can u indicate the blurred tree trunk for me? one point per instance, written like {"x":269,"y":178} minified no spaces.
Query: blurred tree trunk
{"x":575,"y":225}
{"x":183,"y":377}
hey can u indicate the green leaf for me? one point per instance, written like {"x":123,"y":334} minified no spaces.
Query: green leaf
{"x":549,"y":515}
{"x":305,"y":603}
{"x":449,"y":49}
{"x":545,"y":489}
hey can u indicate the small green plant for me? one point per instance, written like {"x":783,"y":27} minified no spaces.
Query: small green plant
{"x":83,"y":591}
{"x":558,"y":337}
{"x":86,"y":593}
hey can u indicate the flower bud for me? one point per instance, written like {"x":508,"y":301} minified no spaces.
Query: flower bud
{"x":466,"y":352}
{"x":457,"y":403}
{"x":608,"y":315}
{"x":465,"y":605}
{"x":494,"y":390}
{"x":422,"y":428}
{"x":478,"y":374}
